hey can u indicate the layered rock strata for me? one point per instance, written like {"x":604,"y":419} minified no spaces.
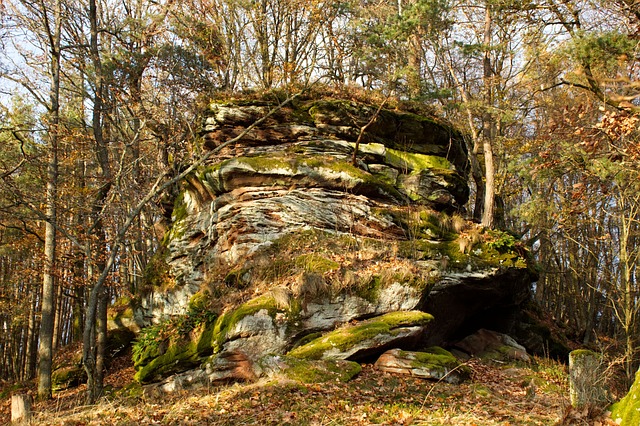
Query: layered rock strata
{"x":286,"y":235}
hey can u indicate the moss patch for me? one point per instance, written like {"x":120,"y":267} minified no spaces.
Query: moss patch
{"x":346,"y":337}
{"x":481,"y":256}
{"x":228,"y":320}
{"x":306,"y":339}
{"x":156,"y":273}
{"x":320,"y":371}
{"x":437,"y":359}
{"x":178,"y":218}
{"x":323,"y":170}
{"x":178,"y":356}
{"x":67,"y":377}
{"x":179,"y":208}
{"x":173,"y":345}
{"x":407,"y":161}
{"x":626,"y":412}
{"x":198,"y":302}
{"x":370,"y":288}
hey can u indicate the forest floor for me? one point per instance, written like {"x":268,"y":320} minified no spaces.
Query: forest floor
{"x":497,"y":394}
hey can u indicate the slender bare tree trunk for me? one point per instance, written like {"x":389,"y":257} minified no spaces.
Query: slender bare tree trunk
{"x":31,"y":338}
{"x":488,"y":129}
{"x":45,"y":350}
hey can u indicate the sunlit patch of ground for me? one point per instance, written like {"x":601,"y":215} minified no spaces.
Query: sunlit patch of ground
{"x":534,"y":394}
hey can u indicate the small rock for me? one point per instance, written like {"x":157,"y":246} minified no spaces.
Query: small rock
{"x":493,"y":345}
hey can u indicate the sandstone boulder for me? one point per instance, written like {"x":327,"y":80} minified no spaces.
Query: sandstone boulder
{"x":434,"y":364}
{"x":236,"y":367}
{"x":283,"y":240}
{"x":362,"y":339}
{"x":488,"y":344}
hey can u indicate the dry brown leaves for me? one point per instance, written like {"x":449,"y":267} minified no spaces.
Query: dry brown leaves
{"x":496,"y":395}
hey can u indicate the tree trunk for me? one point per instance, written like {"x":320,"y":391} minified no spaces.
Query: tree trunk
{"x":58,"y":319}
{"x":31,"y":338}
{"x":586,"y":379}
{"x":20,"y":409}
{"x":79,"y":277}
{"x":476,"y":168}
{"x":101,"y":342}
{"x":94,"y":335}
{"x":45,"y":350}
{"x":488,"y":126}
{"x":415,"y":65}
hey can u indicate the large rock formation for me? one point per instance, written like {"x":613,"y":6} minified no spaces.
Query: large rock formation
{"x":282,"y":237}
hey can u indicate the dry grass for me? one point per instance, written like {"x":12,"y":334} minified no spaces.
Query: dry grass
{"x":496,"y":395}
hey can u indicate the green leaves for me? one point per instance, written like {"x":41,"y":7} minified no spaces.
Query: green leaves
{"x":603,"y":49}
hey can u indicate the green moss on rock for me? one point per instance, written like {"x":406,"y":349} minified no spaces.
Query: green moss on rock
{"x":404,"y":318}
{"x":626,"y":412}
{"x":584,"y":353}
{"x":67,"y":377}
{"x":370,"y":289}
{"x":291,"y":167}
{"x":306,"y":339}
{"x":179,"y":215}
{"x":480,"y":256}
{"x":179,"y":356}
{"x":120,"y":318}
{"x":198,"y":302}
{"x":347,"y":336}
{"x":413,"y":162}
{"x":148,"y":345}
{"x":179,"y":208}
{"x":269,"y":164}
{"x":320,"y":371}
{"x":228,"y":320}
{"x":436,"y":358}
{"x":156,"y":273}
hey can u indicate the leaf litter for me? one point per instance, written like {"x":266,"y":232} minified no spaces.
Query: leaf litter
{"x":496,"y":394}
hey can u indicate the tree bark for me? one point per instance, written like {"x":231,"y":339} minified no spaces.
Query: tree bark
{"x":20,"y":409}
{"x":488,"y":126}
{"x":586,"y":379}
{"x":45,"y":350}
{"x":94,"y":335}
{"x":32,"y":339}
